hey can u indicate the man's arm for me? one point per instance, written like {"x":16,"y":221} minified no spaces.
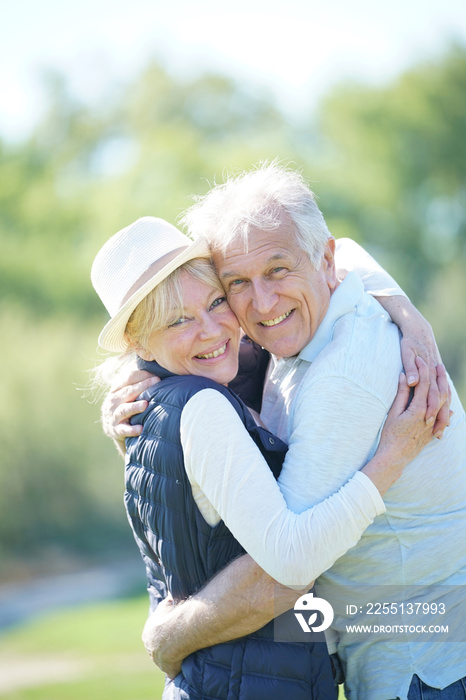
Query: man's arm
{"x":239,"y":600}
{"x":120,"y":405}
{"x":418,"y":338}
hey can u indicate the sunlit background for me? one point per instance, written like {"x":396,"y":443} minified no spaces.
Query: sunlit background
{"x":110,"y":111}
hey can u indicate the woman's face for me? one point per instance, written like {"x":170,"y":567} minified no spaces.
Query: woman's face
{"x":204,"y":341}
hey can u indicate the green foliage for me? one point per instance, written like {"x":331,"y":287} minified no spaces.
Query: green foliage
{"x":398,"y":169}
{"x":61,"y":483}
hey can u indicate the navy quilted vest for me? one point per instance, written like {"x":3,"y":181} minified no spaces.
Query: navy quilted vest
{"x":181,"y":551}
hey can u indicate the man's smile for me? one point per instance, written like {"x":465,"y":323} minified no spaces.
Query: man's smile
{"x":276,"y":321}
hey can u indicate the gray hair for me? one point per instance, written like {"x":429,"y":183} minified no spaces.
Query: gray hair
{"x":263,"y":199}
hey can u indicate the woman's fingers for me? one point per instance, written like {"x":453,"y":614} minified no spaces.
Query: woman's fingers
{"x":443,"y":415}
{"x":422,"y":392}
{"x":401,"y":400}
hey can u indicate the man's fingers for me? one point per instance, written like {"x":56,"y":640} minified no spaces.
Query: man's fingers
{"x":125,"y":411}
{"x":126,"y":378}
{"x":408,"y":357}
{"x":132,"y":391}
{"x":126,"y":430}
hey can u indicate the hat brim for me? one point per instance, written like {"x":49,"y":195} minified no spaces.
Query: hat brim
{"x":112,"y":336}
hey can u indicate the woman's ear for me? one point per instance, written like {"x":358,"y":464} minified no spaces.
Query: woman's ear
{"x":145,"y":354}
{"x":139,"y":350}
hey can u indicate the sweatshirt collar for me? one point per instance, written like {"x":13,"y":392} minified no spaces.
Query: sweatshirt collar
{"x":342,"y":301}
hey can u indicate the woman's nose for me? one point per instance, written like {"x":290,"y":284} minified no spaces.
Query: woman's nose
{"x":209,"y":327}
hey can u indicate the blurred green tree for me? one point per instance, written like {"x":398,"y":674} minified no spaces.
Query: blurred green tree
{"x":395,"y":180}
{"x":397,"y":165}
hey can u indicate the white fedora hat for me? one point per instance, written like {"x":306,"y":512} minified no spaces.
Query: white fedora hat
{"x":131,"y":264}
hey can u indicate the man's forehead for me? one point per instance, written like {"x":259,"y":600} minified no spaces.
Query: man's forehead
{"x":260,"y":247}
{"x":235,"y":262}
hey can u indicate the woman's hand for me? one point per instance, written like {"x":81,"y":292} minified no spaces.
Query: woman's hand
{"x":422,"y":344}
{"x":408,"y":429}
{"x":418,"y":341}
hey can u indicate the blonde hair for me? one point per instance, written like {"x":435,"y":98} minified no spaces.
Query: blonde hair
{"x":164,"y":304}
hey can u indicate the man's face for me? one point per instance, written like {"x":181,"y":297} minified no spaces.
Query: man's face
{"x":277,"y":295}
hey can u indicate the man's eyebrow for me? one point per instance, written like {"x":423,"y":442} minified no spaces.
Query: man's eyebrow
{"x":224,"y":275}
{"x":269,"y":261}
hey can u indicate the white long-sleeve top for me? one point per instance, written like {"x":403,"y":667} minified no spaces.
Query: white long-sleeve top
{"x":231,"y":481}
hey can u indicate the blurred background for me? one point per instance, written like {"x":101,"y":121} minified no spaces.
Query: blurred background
{"x":110,"y":111}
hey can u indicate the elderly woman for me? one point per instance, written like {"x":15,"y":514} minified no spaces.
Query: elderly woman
{"x":189,"y":519}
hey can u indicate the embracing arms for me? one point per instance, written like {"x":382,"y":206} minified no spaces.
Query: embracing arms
{"x":242,"y":598}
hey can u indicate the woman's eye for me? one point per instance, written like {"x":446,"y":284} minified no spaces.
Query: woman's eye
{"x":178,"y":321}
{"x":217,"y":302}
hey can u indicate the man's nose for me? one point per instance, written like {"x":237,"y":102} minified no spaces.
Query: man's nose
{"x":264,"y":297}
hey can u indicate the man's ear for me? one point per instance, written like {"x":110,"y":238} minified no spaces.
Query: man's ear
{"x":328,"y":264}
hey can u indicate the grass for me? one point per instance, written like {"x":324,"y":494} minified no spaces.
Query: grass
{"x":93,"y":652}
{"x":90,"y":652}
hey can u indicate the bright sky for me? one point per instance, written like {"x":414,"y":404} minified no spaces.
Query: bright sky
{"x":296,"y":48}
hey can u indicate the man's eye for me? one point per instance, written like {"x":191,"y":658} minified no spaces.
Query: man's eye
{"x":217,"y":302}
{"x":278,"y":269}
{"x":236,"y":283}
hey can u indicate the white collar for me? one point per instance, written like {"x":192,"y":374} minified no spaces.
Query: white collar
{"x":343,"y":300}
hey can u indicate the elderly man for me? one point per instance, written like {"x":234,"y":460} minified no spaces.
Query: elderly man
{"x":333,"y":376}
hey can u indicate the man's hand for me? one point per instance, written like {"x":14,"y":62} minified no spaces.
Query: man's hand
{"x":239,"y":600}
{"x":418,"y":341}
{"x":156,"y":638}
{"x":120,"y":405}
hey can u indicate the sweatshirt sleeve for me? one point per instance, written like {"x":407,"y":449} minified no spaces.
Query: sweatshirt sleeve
{"x":350,"y":256}
{"x":222,"y":460}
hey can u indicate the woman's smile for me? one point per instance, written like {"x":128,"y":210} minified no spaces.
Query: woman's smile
{"x":204,"y":340}
{"x":211,"y":354}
